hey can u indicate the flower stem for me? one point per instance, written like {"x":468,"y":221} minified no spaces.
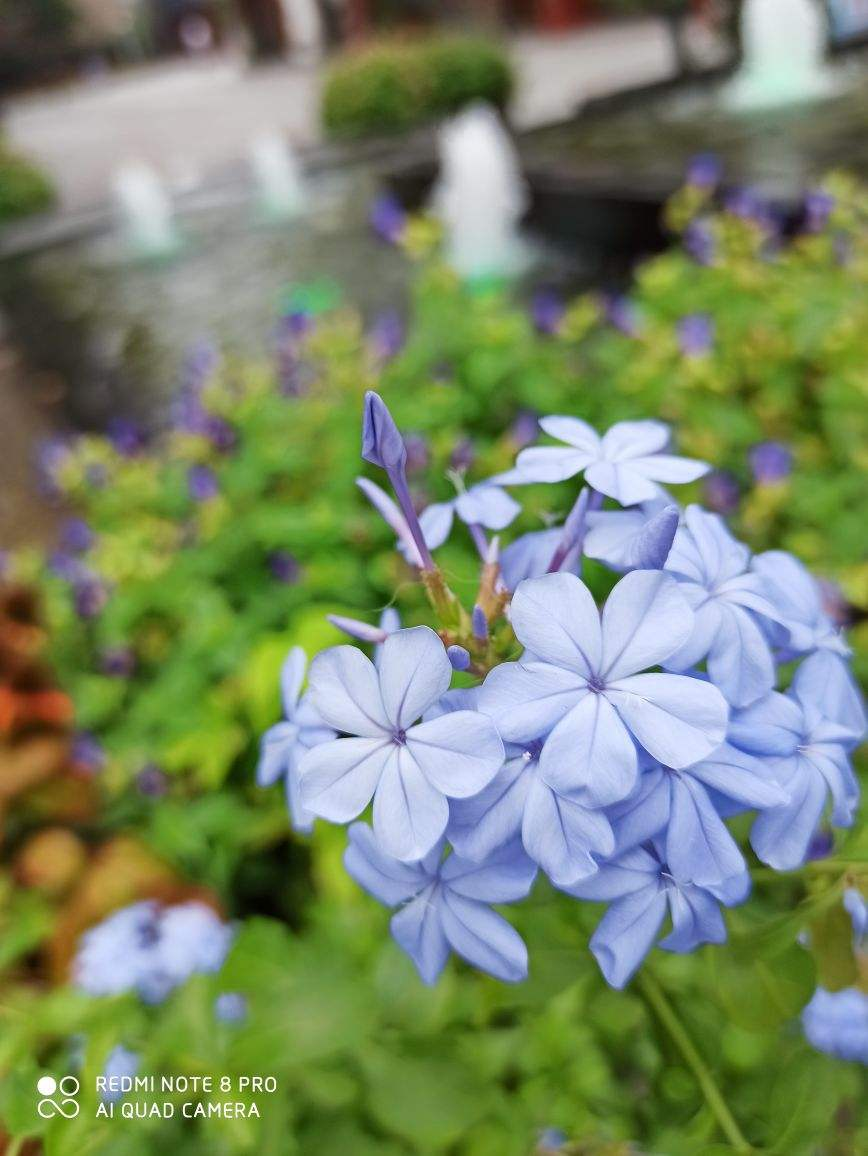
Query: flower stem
{"x":656,"y":997}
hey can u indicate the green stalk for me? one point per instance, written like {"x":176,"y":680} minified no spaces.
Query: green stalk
{"x":656,"y":997}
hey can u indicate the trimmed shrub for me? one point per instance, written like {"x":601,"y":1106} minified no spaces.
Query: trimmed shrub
{"x":24,"y":188}
{"x":395,"y":85}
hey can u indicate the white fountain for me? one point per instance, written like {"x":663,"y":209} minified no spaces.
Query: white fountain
{"x":145,"y":210}
{"x":278,"y":176}
{"x":783,"y":56}
{"x":480,"y":195}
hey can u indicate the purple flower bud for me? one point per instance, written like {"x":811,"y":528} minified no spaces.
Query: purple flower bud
{"x":151,"y":781}
{"x":654,"y":541}
{"x":770,"y":462}
{"x":721,"y":492}
{"x":463,"y":455}
{"x":525,"y":429}
{"x":87,"y":753}
{"x":699,"y":242}
{"x":547,"y":311}
{"x":230,"y":1007}
{"x":703,"y":171}
{"x":695,"y":334}
{"x":118,"y":662}
{"x":418,"y":456}
{"x":67,"y":567}
{"x":363,"y":631}
{"x":387,"y":218}
{"x":387,"y":336}
{"x":479,"y":624}
{"x":284,"y":567}
{"x":89,"y":596}
{"x":382,"y":444}
{"x":818,"y":208}
{"x":76,"y":536}
{"x":126,"y":436}
{"x":219,"y":432}
{"x":202,"y":484}
{"x":458,"y":656}
{"x":621,"y":313}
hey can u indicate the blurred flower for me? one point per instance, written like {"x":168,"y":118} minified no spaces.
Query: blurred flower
{"x":76,"y":535}
{"x":699,"y":242}
{"x":721,"y":492}
{"x":151,"y":781}
{"x":120,"y":1062}
{"x":386,"y":336}
{"x":442,"y":373}
{"x":230,"y":1007}
{"x":463,"y":455}
{"x":150,"y":949}
{"x":118,"y":661}
{"x":200,"y":363}
{"x":695,"y":334}
{"x":551,"y":1140}
{"x":89,"y":595}
{"x":770,"y":462}
{"x":818,"y":208}
{"x":547,"y":311}
{"x":821,"y":845}
{"x":87,"y":752}
{"x":703,"y":171}
{"x":837,"y":1023}
{"x":202,"y":483}
{"x":417,"y":453}
{"x":620,"y":312}
{"x":126,"y":436}
{"x":284,"y":566}
{"x":51,"y":456}
{"x":387,"y":218}
{"x":525,"y":429}
{"x":66,"y":566}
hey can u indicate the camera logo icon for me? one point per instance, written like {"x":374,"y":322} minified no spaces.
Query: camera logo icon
{"x":58,"y":1097}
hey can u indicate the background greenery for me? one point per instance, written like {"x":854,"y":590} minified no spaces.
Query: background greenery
{"x":368,"y":1059}
{"x":24,"y":188}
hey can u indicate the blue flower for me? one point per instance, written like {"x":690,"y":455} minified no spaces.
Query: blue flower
{"x":770,"y":462}
{"x":641,"y":886}
{"x":625,"y":464}
{"x":230,"y":1007}
{"x":285,"y":744}
{"x":202,"y":483}
{"x":836,"y":1022}
{"x":387,"y":218}
{"x":806,"y":735}
{"x":547,"y":311}
{"x":76,"y":536}
{"x":409,"y":769}
{"x":695,"y":334}
{"x":120,"y":1063}
{"x":703,"y":171}
{"x":150,"y":949}
{"x":699,"y":242}
{"x":484,"y":504}
{"x":731,"y":605}
{"x":682,"y":807}
{"x":529,"y":556}
{"x":445,"y":904}
{"x":581,"y":682}
{"x":721,"y":492}
{"x":804,"y":625}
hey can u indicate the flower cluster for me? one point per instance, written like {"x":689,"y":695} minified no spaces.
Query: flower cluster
{"x":605,"y":743}
{"x":150,"y":949}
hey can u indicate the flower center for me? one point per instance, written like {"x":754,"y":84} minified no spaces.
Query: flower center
{"x":596,"y":684}
{"x":400,"y":737}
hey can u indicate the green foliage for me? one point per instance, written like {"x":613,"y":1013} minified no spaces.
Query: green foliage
{"x":393,"y":85}
{"x":24,"y":189}
{"x":367,"y":1059}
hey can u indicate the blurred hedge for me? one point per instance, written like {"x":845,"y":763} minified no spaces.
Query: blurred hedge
{"x":394,"y":85}
{"x":24,"y":188}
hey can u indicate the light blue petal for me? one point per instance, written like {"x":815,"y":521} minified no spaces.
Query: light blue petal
{"x":300,"y":817}
{"x":481,"y":824}
{"x":550,"y":463}
{"x":619,"y":480}
{"x":669,"y":468}
{"x":459,"y":753}
{"x":483,"y":938}
{"x":488,"y":506}
{"x":339,"y":778}
{"x":678,"y":720}
{"x":631,"y":871}
{"x":345,"y":689}
{"x":556,"y":618}
{"x":699,"y":848}
{"x":707,"y":614}
{"x":741,"y":777}
{"x":436,"y":523}
{"x":417,"y":930}
{"x":773,"y":726}
{"x":291,"y":678}
{"x":410,"y":814}
{"x":626,"y":440}
{"x":626,"y":933}
{"x":574,"y":432}
{"x":824,"y":681}
{"x":277,"y":743}
{"x":505,"y":877}
{"x":644,"y":620}
{"x":696,"y":919}
{"x":781,"y":836}
{"x":563,"y":836}
{"x":530,"y":555}
{"x":589,"y":755}
{"x":740,"y":661}
{"x":526,"y":700}
{"x":611,"y":534}
{"x":414,"y":672}
{"x":379,"y":874}
{"x":643,"y":814}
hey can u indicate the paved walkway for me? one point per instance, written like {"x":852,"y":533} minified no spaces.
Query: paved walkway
{"x":194,"y":119}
